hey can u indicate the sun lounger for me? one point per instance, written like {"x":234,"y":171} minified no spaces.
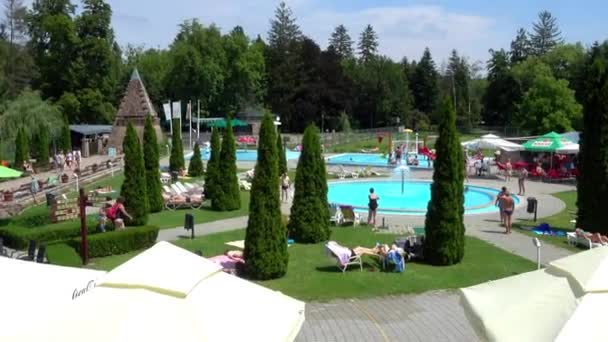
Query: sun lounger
{"x":349,"y":215}
{"x":245,"y":185}
{"x":335,"y":215}
{"x":343,"y":256}
{"x":577,"y":239}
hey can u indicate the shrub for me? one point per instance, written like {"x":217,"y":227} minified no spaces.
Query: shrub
{"x":21,"y":148}
{"x":195,"y":169}
{"x":211,"y":177}
{"x":281,"y":154}
{"x":309,"y":220}
{"x":266,"y":237}
{"x":227,"y":195}
{"x":176,"y":160}
{"x":119,"y":242}
{"x":42,"y":147}
{"x":444,"y":244}
{"x":65,"y":142}
{"x":63,"y":254}
{"x":152,"y":164}
{"x":134,"y":188}
{"x":19,"y":237}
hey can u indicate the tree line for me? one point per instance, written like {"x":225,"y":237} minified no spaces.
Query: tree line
{"x":71,"y":62}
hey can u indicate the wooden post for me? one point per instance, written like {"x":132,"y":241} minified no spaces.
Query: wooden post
{"x":84,"y":245}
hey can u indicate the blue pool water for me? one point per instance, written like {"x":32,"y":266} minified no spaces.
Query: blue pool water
{"x":244,"y":155}
{"x":414,"y":200}
{"x":369,"y":159}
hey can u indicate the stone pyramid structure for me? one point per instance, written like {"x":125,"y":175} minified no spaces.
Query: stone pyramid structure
{"x":134,"y":107}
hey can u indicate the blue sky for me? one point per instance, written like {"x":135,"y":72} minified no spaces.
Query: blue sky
{"x":404,"y":27}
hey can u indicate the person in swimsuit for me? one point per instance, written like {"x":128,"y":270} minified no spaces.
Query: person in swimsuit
{"x":373,"y":207}
{"x":521,"y":179}
{"x":499,"y":204}
{"x":508,"y":208}
{"x":285,"y":187}
{"x":509,"y":170}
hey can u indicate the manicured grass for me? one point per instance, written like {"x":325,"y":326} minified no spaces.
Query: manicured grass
{"x":559,"y":221}
{"x":312,"y":275}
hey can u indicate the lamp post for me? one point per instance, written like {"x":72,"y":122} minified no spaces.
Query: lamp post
{"x":416,"y":142}
{"x":537,"y":244}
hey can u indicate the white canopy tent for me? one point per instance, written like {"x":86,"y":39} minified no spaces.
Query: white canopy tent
{"x":554,"y":304}
{"x":568,"y":149}
{"x":29,"y":290}
{"x":491,"y":141}
{"x":169,"y":294}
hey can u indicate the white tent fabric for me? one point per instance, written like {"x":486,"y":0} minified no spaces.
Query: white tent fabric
{"x":169,"y":294}
{"x":529,"y":307}
{"x":491,"y":141}
{"x":566,"y":300}
{"x":29,"y":289}
{"x":569,"y":149}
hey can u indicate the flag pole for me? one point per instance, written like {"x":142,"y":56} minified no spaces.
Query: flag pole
{"x":198,"y":122}
{"x":190,"y":119}
{"x":171,"y":117}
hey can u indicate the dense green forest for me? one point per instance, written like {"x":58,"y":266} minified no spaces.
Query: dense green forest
{"x":60,"y":62}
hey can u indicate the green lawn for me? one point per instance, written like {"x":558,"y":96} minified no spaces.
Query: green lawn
{"x":313,"y":276}
{"x":559,"y":221}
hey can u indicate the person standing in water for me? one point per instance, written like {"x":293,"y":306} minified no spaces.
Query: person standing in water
{"x":373,"y":207}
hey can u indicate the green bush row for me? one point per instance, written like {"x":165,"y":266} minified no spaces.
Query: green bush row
{"x":19,"y":237}
{"x":63,"y":254}
{"x":119,"y":242}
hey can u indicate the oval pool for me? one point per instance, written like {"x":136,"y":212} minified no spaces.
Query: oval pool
{"x":244,"y":155}
{"x":413,"y":201}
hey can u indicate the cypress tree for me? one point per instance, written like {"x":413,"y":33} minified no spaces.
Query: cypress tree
{"x":309,"y":219}
{"x":195,"y":168}
{"x":227,"y":195}
{"x":211,"y":177}
{"x":444,"y":243}
{"x":176,"y":160}
{"x":21,"y":152}
{"x":152,"y":166}
{"x":134,"y":188}
{"x":281,"y":154}
{"x":66,"y":139}
{"x":42,"y":147}
{"x":266,"y":237}
{"x":592,"y":183}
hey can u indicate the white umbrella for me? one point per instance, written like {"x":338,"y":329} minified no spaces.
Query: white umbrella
{"x":491,"y":141}
{"x":169,"y":294}
{"x":543,"y":305}
{"x":568,"y":149}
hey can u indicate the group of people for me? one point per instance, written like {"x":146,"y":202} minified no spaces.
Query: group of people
{"x":115,"y":213}
{"x":70,"y":160}
{"x":506,"y":206}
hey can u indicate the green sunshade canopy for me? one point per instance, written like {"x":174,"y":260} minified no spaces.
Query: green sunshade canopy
{"x":550,"y":142}
{"x":221,"y":123}
{"x":5,"y":172}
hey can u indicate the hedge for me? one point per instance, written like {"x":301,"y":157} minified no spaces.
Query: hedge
{"x":119,"y":242}
{"x":63,"y":254}
{"x":19,"y":237}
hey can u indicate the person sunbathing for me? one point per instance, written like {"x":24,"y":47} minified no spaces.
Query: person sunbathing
{"x":378,"y":250}
{"x":229,"y":261}
{"x":593,"y":237}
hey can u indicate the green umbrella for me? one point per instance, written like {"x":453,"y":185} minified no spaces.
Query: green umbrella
{"x":549,"y":142}
{"x":221,"y":123}
{"x":5,"y":172}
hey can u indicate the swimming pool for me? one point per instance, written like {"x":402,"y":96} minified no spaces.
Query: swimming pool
{"x":414,"y":200}
{"x":245,"y":155}
{"x":369,"y":159}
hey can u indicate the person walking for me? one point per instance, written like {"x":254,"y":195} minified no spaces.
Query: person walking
{"x":284,"y":187}
{"x":373,"y":207}
{"x":34,"y":188}
{"x":521,"y":180}
{"x":508,"y":170}
{"x":499,"y":204}
{"x":508,"y":206}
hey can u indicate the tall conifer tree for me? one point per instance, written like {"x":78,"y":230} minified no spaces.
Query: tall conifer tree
{"x":152,"y":165}
{"x":134,"y":189}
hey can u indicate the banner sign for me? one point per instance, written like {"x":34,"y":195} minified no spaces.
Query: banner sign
{"x":177,"y":110}
{"x":167,"y":109}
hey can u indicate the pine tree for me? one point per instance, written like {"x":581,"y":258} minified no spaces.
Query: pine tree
{"x":176,"y":160}
{"x":21,"y":148}
{"x":546,"y":34}
{"x":309,"y":219}
{"x":227,"y":195}
{"x":424,"y":84}
{"x":213,"y":166}
{"x":368,"y":44}
{"x":444,"y":242}
{"x":458,"y":71}
{"x":266,"y":237}
{"x":341,"y":42}
{"x":65,"y":142}
{"x":42,"y":147}
{"x":283,"y":28}
{"x":152,"y":166}
{"x":282,"y":158}
{"x":592,"y":184}
{"x":195,"y":169}
{"x":134,"y":189}
{"x":520,"y":47}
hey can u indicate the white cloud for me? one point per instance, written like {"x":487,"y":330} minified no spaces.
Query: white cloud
{"x":403,"y":30}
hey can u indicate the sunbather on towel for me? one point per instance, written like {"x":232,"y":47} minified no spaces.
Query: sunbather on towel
{"x":594,"y":237}
{"x":229,"y":261}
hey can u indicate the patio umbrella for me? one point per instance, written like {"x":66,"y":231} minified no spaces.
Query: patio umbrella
{"x":491,"y":141}
{"x":549,"y":142}
{"x":544,"y":305}
{"x":222,"y":123}
{"x":169,"y":294}
{"x":5,"y":172}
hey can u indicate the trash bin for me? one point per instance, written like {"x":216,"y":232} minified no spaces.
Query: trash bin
{"x":50,"y":199}
{"x":532,"y":203}
{"x":189,"y":222}
{"x":174,"y":176}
